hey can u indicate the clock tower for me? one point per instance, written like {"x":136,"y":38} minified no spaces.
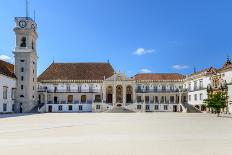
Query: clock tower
{"x":25,"y":64}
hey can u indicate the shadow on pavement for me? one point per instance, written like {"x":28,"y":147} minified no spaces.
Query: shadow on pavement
{"x":17,"y":115}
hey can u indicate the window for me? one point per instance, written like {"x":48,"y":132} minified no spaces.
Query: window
{"x":147,"y":99}
{"x":83,"y":99}
{"x":195,"y":85}
{"x":22,"y":69}
{"x":147,"y":88}
{"x":79,"y":88}
{"x":147,"y":107}
{"x":22,"y":78}
{"x":139,"y":88}
{"x":195,"y":97}
{"x":165,"y":107}
{"x":5,"y":92}
{"x":139,"y":98}
{"x":201,"y":96}
{"x":68,"y":88}
{"x":13,"y":91}
{"x":70,"y":99}
{"x":156,"y":107}
{"x":189,"y":87}
{"x":98,"y":107}
{"x":172,"y":98}
{"x":21,"y":60}
{"x":21,"y":87}
{"x":55,"y":89}
{"x":156,"y":99}
{"x":33,"y":88}
{"x":162,"y":99}
{"x":33,"y":71}
{"x":171,"y":87}
{"x":97,"y":98}
{"x":60,"y":108}
{"x":70,"y":108}
{"x":33,"y":62}
{"x":4,"y":107}
{"x":163,"y":88}
{"x":80,"y":107}
{"x":33,"y":79}
{"x":21,"y":96}
{"x":201,"y":84}
{"x":189,"y":97}
{"x":23,"y":42}
{"x":139,"y":107}
{"x":155,"y":88}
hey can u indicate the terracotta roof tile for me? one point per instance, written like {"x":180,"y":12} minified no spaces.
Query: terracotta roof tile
{"x":77,"y":71}
{"x":7,"y":69}
{"x":159,"y":76}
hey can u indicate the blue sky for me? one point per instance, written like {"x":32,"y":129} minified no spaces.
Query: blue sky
{"x":135,"y":35}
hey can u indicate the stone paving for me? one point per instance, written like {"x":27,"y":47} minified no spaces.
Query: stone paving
{"x":115,"y":134}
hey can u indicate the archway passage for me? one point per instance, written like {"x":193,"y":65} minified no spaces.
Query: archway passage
{"x":119,"y":94}
{"x":129,"y":93}
{"x":109,"y":94}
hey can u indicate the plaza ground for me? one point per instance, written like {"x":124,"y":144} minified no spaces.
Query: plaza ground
{"x":115,"y":134}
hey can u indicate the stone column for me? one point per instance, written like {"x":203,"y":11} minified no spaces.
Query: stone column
{"x":124,"y":94}
{"x":114,"y":94}
{"x":103,"y":93}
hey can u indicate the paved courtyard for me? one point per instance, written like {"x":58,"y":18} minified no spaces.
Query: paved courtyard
{"x":116,"y":134}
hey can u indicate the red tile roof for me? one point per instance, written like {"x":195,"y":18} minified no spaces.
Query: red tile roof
{"x":159,"y":76}
{"x":77,"y":71}
{"x":7,"y":69}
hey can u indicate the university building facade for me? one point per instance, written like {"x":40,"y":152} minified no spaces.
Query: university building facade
{"x":96,"y":87}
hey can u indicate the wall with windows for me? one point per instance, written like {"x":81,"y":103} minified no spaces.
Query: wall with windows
{"x":7,"y":93}
{"x":70,"y":87}
{"x":196,"y":85}
{"x":159,"y":86}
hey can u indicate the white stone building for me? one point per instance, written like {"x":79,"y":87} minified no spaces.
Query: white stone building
{"x":7,"y":87}
{"x":96,"y":87}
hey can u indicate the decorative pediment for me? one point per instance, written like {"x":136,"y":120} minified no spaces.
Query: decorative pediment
{"x":118,"y":77}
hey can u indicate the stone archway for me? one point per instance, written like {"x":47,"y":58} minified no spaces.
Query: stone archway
{"x":129,"y":92}
{"x":119,"y":94}
{"x":109,"y":94}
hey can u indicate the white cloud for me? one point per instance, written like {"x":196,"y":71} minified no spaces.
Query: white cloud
{"x":145,"y":70}
{"x":142,"y":51}
{"x":6,"y":58}
{"x":180,"y":67}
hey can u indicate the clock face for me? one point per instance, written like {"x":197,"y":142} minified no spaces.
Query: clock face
{"x":22,"y":24}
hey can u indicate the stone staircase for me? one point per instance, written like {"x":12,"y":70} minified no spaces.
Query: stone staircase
{"x":37,"y":107}
{"x":190,"y":108}
{"x":117,"y":109}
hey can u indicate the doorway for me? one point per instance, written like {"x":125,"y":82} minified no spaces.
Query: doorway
{"x":49,"y":108}
{"x":175,"y":108}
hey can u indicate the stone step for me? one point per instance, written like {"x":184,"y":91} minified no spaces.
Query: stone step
{"x":117,"y":109}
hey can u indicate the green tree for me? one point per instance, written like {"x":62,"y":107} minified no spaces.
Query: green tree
{"x":217,"y":101}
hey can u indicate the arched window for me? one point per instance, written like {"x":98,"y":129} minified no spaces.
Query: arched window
{"x":22,"y":96}
{"x":23,"y":42}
